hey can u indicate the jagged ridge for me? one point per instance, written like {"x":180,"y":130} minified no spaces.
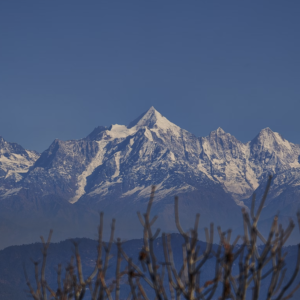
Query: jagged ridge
{"x":116,"y":166}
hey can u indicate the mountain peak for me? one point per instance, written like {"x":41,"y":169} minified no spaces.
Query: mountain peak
{"x":269,"y":138}
{"x":266,"y":131}
{"x":152,"y":109}
{"x":155,"y":121}
{"x":218,"y":131}
{"x":147,"y":118}
{"x":266,"y":134}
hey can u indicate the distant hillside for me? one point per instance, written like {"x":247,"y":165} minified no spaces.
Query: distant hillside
{"x":12,"y":280}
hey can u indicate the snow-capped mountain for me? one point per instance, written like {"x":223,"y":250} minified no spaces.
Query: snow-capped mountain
{"x":125,"y":158}
{"x":114,"y":155}
{"x":113,"y":169}
{"x":15,"y":162}
{"x":241,"y":168}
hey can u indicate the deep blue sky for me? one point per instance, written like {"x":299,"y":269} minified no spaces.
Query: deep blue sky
{"x":69,"y":66}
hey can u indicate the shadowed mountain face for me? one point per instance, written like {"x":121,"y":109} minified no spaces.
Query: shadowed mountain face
{"x":113,"y":168}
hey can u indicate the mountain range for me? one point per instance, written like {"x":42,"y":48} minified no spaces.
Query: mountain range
{"x":113,"y":169}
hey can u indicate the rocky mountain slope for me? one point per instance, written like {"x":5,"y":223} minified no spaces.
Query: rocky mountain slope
{"x":113,"y":168}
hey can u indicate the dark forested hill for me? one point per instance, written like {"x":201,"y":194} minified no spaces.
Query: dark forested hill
{"x":12,"y":259}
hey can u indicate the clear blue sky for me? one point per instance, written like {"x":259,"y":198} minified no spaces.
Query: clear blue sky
{"x":69,"y":66}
